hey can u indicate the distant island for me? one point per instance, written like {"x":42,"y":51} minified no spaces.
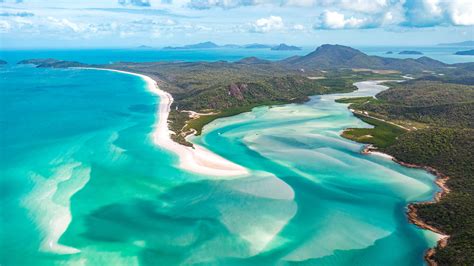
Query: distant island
{"x":389,"y":52}
{"x":284,"y":47}
{"x":257,"y":46}
{"x":467,"y":52}
{"x":2,"y":62}
{"x":212,"y":45}
{"x":231,"y":46}
{"x":202,"y":45}
{"x":52,"y":63}
{"x":144,"y":47}
{"x":410,"y":52}
{"x":465,"y":43}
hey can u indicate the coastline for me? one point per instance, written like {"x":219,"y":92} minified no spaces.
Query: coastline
{"x":412,"y":210}
{"x":198,"y":159}
{"x":412,"y":214}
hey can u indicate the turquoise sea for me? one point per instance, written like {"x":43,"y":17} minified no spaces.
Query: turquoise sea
{"x":83,"y":184}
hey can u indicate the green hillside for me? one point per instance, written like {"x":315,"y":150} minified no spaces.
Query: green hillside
{"x":443,"y":138}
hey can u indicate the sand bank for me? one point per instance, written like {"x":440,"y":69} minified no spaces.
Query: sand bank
{"x":198,"y":159}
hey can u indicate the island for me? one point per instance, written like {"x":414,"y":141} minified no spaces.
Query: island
{"x":144,"y":47}
{"x":3,"y":62}
{"x":410,"y":52}
{"x":465,"y":43}
{"x":389,"y":52}
{"x":52,"y":63}
{"x":233,"y":46}
{"x":257,"y":46}
{"x":203,"y":45}
{"x":284,"y":47}
{"x":467,"y":52}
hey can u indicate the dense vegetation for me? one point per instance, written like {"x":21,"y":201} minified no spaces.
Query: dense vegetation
{"x":452,"y":152}
{"x":383,"y":134}
{"x":444,"y":140}
{"x":225,"y":89}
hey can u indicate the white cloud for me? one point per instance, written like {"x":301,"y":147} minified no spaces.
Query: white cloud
{"x":302,"y":3}
{"x":271,"y":23}
{"x":134,"y":20}
{"x":65,"y":24}
{"x":461,"y":12}
{"x":429,"y":13}
{"x":362,"y":6}
{"x":298,"y":27}
{"x":4,"y":26}
{"x":336,"y":20}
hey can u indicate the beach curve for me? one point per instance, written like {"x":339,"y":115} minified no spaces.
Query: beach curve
{"x":195,"y":159}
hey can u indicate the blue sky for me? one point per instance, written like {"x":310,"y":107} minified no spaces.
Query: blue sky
{"x":128,"y":23}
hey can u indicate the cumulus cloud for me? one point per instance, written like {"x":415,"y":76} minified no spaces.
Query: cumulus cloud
{"x":144,"y":18}
{"x":428,"y":13}
{"x":362,"y":6}
{"x":461,"y":12}
{"x":368,"y":13}
{"x":65,"y":24}
{"x":264,"y":25}
{"x":336,"y":20}
{"x":363,"y":14}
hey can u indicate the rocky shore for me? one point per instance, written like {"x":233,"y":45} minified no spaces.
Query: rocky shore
{"x":412,"y":210}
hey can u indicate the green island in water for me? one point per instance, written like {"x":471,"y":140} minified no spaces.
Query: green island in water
{"x":310,"y":197}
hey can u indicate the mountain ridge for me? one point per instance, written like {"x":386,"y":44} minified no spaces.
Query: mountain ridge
{"x":329,"y":56}
{"x":464,"y":43}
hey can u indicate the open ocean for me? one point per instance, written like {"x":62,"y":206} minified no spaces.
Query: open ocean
{"x":83,"y":184}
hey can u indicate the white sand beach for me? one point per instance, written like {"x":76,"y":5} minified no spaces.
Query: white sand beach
{"x":198,"y":159}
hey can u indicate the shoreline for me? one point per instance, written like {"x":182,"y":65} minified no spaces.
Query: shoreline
{"x":411,"y":213}
{"x":198,"y":159}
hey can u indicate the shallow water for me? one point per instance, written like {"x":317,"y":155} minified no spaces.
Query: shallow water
{"x":350,"y":207}
{"x":80,"y":173}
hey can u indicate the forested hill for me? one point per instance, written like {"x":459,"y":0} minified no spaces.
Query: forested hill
{"x":337,"y":56}
{"x":439,"y":113}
